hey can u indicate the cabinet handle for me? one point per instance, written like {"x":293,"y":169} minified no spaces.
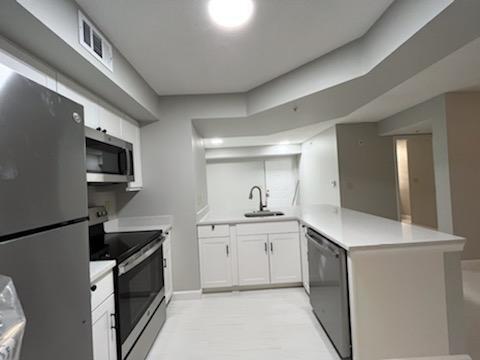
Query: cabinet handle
{"x":271,"y":247}
{"x":93,"y":287}
{"x":112,"y":318}
{"x":228,"y":250}
{"x":164,"y":263}
{"x":266,"y":248}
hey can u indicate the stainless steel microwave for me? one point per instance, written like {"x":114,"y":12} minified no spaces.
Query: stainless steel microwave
{"x":108,"y":159}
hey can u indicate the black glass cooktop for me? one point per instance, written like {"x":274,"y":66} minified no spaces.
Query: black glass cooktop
{"x":119,"y":246}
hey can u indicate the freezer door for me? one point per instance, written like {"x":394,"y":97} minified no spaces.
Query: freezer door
{"x":42,"y":156}
{"x":50,"y":271}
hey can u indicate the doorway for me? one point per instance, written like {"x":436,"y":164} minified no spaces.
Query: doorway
{"x":416,"y":180}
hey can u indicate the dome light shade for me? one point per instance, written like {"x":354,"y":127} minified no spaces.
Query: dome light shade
{"x":230,"y":13}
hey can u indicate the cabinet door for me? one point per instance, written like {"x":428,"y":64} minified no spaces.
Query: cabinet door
{"x":216,"y":262}
{"x":131,"y":133}
{"x":304,"y":253}
{"x":103,"y":331}
{"x":167,"y":263}
{"x":285,"y":264}
{"x":253,"y":263}
{"x":110,"y":122}
{"x":27,"y":70}
{"x":90,"y":109}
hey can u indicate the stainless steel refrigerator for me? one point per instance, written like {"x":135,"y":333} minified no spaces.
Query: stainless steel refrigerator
{"x":43,"y":213}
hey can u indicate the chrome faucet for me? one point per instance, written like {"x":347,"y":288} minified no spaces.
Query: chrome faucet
{"x":261,"y":206}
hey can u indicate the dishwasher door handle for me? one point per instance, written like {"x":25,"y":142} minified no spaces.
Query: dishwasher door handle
{"x":325,"y":247}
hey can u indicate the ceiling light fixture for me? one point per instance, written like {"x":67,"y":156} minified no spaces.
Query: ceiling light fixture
{"x":230,"y":13}
{"x":216,"y":141}
{"x":286,"y":142}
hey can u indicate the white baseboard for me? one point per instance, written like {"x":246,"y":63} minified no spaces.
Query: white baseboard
{"x":187,"y":295}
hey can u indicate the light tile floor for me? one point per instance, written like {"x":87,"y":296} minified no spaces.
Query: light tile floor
{"x":255,"y":325}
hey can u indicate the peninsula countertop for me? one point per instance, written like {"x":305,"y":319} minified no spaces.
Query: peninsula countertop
{"x":352,"y":230}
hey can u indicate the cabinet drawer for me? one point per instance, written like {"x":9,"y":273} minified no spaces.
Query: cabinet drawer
{"x":209,"y":231}
{"x":274,"y":227}
{"x":101,"y":290}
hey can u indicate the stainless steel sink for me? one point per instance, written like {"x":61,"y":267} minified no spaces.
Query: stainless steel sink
{"x":264,"y":213}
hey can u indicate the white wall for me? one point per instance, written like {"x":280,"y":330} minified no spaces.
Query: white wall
{"x":318,"y":170}
{"x":281,"y":178}
{"x":201,"y":198}
{"x":229,"y":183}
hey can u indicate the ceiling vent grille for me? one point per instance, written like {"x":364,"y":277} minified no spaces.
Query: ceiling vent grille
{"x":94,"y":41}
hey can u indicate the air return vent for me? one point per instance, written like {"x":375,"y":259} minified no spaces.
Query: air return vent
{"x":94,"y":41}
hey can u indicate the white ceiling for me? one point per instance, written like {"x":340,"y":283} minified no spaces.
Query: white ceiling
{"x":176,"y":48}
{"x":456,"y":72}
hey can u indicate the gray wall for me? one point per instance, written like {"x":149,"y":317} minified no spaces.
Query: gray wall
{"x":170,"y":177}
{"x":169,"y":188}
{"x":463,"y":124}
{"x":432,"y":112}
{"x":367,"y":170}
{"x":422,"y":180}
{"x":456,"y":150}
{"x":48,"y":29}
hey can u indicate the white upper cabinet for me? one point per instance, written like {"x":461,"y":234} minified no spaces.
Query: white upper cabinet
{"x":72,"y":91}
{"x":110,"y":122}
{"x":130,"y":132}
{"x":284,"y":258}
{"x":26,"y":70}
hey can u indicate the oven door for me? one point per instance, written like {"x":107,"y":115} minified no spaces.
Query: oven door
{"x":140,"y":290}
{"x":108,"y":159}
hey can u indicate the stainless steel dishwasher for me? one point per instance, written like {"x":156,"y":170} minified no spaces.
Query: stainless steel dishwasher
{"x":329,"y":290}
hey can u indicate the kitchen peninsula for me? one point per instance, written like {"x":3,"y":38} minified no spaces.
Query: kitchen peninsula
{"x":404,"y":281}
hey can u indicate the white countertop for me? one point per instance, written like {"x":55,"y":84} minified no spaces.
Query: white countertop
{"x":352,"y":230}
{"x":100,"y":268}
{"x":140,"y":223}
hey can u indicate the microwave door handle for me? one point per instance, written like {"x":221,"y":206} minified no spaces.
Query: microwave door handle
{"x":129,"y":162}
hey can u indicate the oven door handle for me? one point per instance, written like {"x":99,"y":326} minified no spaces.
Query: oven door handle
{"x":128,"y":264}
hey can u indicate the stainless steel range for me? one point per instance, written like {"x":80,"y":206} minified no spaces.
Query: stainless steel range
{"x":139,"y":285}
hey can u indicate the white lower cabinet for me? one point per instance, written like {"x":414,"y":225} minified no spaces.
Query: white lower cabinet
{"x":285,"y":266}
{"x":253,"y":262}
{"x":103,"y":319}
{"x":216,"y":260}
{"x":242,"y":257}
{"x":304,"y":256}
{"x":167,"y":267}
{"x":103,"y":331}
